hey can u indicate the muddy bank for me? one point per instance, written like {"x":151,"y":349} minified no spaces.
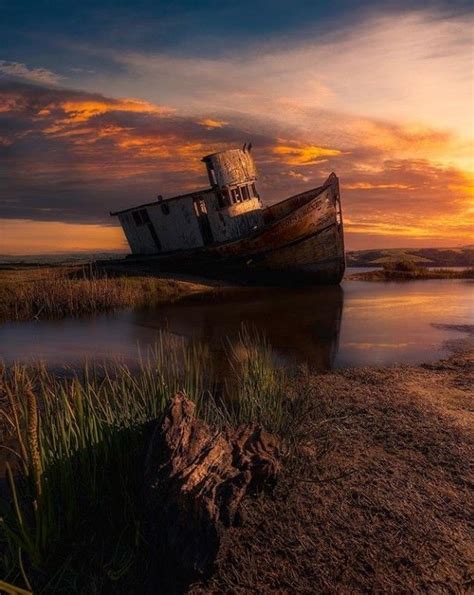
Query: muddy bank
{"x":378,"y":496}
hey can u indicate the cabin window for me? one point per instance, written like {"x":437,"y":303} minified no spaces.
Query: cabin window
{"x":212,"y":174}
{"x":141,"y":217}
{"x":220,"y":199}
{"x":165,"y":208}
{"x":245,"y":193}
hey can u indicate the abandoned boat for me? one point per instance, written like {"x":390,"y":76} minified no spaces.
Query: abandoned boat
{"x":225,"y":230}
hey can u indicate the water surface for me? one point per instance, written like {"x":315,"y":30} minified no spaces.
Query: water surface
{"x":360,"y":323}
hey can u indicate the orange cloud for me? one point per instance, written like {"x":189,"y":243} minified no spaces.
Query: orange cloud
{"x":81,"y":111}
{"x":209,"y":123}
{"x":464,"y":189}
{"x":434,"y":227}
{"x":303,"y":154}
{"x":371,"y":186}
{"x":69,"y":116}
{"x":144,"y":146}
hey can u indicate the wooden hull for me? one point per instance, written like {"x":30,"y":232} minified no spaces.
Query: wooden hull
{"x":302,"y":240}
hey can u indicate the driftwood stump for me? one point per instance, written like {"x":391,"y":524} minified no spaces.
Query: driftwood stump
{"x":196,"y":478}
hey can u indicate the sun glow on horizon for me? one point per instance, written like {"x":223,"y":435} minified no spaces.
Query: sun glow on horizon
{"x":52,"y":236}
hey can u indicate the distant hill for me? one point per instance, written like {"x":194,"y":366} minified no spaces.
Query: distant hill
{"x":430,"y":257}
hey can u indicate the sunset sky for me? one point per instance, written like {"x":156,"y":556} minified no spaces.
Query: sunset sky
{"x":104,"y":105}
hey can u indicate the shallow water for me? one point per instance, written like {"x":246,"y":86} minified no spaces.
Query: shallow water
{"x":360,"y":323}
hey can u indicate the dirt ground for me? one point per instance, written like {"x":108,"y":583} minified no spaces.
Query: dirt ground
{"x":378,"y":497}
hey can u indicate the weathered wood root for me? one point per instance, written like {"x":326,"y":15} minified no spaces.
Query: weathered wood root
{"x":196,"y":478}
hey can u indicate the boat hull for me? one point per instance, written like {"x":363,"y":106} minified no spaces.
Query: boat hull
{"x":302,"y":241}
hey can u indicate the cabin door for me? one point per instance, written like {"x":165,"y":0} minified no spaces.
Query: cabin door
{"x":203,"y":220}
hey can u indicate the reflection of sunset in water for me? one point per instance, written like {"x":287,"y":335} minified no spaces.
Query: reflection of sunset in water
{"x":395,"y":322}
{"x":389,"y":302}
{"x":361,"y":324}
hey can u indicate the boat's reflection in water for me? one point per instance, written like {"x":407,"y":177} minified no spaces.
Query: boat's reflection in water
{"x":380,"y":323}
{"x":299,"y":325}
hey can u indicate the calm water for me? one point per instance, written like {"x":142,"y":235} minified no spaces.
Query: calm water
{"x":360,"y":323}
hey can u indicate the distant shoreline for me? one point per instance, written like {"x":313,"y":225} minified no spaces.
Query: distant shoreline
{"x":421,"y":273}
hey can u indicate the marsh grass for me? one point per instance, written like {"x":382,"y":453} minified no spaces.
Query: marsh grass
{"x":73,"y":520}
{"x":255,"y":388}
{"x":59,"y":292}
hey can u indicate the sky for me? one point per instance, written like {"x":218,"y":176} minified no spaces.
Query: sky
{"x":105,"y":105}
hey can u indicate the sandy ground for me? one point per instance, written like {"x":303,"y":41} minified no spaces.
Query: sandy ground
{"x":378,"y":497}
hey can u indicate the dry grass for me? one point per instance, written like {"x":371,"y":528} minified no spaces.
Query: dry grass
{"x":379,"y":498}
{"x":27,"y":294}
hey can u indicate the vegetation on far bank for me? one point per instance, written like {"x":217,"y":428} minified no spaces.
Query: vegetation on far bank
{"x":406,"y":270}
{"x":35,"y":293}
{"x":462,"y":256}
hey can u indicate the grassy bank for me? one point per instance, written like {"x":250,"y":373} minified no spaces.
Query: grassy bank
{"x":407,"y":271}
{"x":72,"y":514}
{"x":35,"y":293}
